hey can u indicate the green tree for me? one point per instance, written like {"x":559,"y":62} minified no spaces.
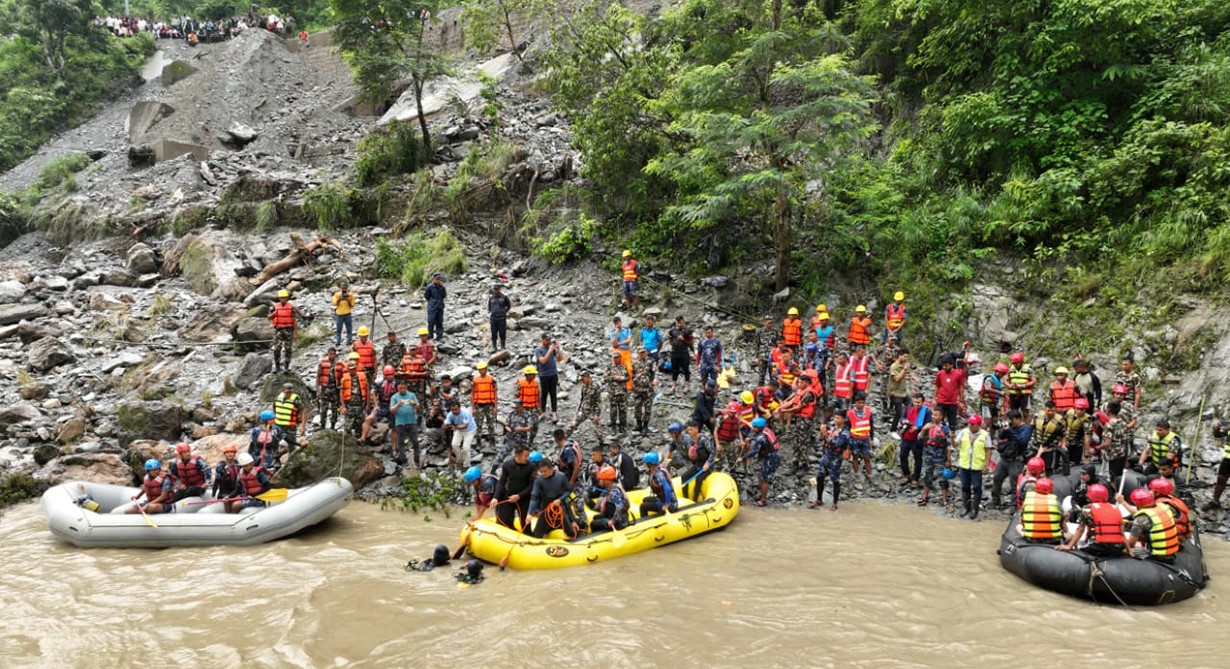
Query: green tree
{"x":385,"y":42}
{"x":51,"y":23}
{"x":488,"y":23}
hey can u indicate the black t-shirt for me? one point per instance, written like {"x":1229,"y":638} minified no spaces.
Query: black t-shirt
{"x":681,"y":342}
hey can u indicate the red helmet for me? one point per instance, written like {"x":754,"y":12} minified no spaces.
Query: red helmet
{"x":230,"y":448}
{"x":1142,"y":497}
{"x":1044,"y":486}
{"x":1001,"y":368}
{"x":1161,"y":487}
{"x":388,"y":370}
{"x":1017,"y":358}
{"x":975,"y":420}
{"x":606,"y":473}
{"x":1098,"y":493}
{"x":1119,"y":388}
{"x":1081,"y":403}
{"x":1035,"y":466}
{"x":183,"y":448}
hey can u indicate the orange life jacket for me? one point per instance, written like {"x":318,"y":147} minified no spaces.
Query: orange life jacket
{"x":283,"y":316}
{"x":1181,"y":514}
{"x":843,"y":384}
{"x":1041,"y":517}
{"x":326,"y":374}
{"x":484,"y":390}
{"x":862,"y":378}
{"x":348,"y":383}
{"x":1107,"y":523}
{"x":1063,"y":395}
{"x":528,"y":392}
{"x":629,"y":269}
{"x":367,"y":354}
{"x":792,"y":331}
{"x":894,"y":315}
{"x":860,"y":424}
{"x":413,"y":368}
{"x":858,"y":333}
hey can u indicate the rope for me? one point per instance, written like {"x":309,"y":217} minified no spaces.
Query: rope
{"x":102,"y":340}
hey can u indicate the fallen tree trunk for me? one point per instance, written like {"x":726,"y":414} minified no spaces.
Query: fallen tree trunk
{"x":300,"y":254}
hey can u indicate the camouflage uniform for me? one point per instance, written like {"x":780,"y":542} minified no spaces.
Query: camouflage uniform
{"x":1127,"y":414}
{"x":484,"y":416}
{"x":802,"y":432}
{"x":1115,"y":442}
{"x":328,"y":397}
{"x":642,"y":391}
{"x":1132,"y":381}
{"x":589,"y":406}
{"x":766,"y":340}
{"x":617,"y":395}
{"x":356,"y":407}
{"x":283,"y":344}
{"x":392,"y":354}
{"x":516,"y":419}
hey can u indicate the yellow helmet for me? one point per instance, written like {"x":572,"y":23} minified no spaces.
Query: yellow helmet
{"x":860,"y":309}
{"x":792,"y":312}
{"x":1061,"y":370}
{"x":283,"y":293}
{"x":423,"y":331}
{"x":824,"y":316}
{"x":363,"y":331}
{"x":747,"y":397}
{"x":530,"y":370}
{"x":898,"y":296}
{"x":354,"y":355}
{"x":820,"y":308}
{"x":627,"y":253}
{"x":481,"y":365}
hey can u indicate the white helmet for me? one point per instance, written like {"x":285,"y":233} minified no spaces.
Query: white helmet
{"x":244,"y":459}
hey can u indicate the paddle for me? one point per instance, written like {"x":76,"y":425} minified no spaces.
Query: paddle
{"x":148,"y":520}
{"x":271,"y":495}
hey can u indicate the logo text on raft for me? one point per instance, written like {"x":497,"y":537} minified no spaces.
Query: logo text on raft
{"x":557,"y":551}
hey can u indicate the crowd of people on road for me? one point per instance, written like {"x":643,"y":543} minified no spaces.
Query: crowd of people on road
{"x":195,"y":31}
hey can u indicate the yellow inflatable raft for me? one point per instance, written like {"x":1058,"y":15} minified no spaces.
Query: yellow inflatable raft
{"x":492,"y":542}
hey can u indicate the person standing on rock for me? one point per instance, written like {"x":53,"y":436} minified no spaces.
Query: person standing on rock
{"x":1013,"y":446}
{"x":383,"y":399}
{"x":949,"y":391}
{"x":343,"y":310}
{"x":764,"y":447}
{"x":894,"y":317}
{"x":191,"y":474}
{"x":643,"y":372}
{"x":859,"y":333}
{"x":366,"y":350}
{"x":991,"y":397}
{"x":709,"y":357}
{"x":617,"y":378}
{"x":862,"y":433}
{"x":651,"y":338}
{"x":1050,"y":433}
{"x":973,"y":460}
{"x":1128,"y":378}
{"x":356,"y":395}
{"x":414,"y":371}
{"x":517,"y":427}
{"x":681,"y":354}
{"x":915,"y":420}
{"x":328,"y":380}
{"x":394,"y":350}
{"x":1088,"y":385}
{"x":498,"y":306}
{"x":590,"y":405}
{"x":426,"y":349}
{"x":547,"y":357}
{"x":798,"y":411}
{"x":766,"y":341}
{"x":434,"y":294}
{"x":1021,"y":382}
{"x":704,"y":408}
{"x":792,"y":330}
{"x":631,"y":274}
{"x":404,"y":406}
{"x":285,"y":320}
{"x":621,"y":340}
{"x":289,"y":415}
{"x":836,"y":441}
{"x":460,"y":423}
{"x":936,"y":459}
{"x":483,"y":401}
{"x":898,"y":388}
{"x":530,"y":395}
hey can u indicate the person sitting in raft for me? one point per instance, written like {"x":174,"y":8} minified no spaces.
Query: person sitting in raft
{"x":1100,"y":523}
{"x":191,"y":474}
{"x":1041,"y":517}
{"x":484,"y":489}
{"x":252,"y":481}
{"x":158,"y":489}
{"x":1153,"y":533}
{"x":700,"y":456}
{"x":1035,"y":468}
{"x":612,"y":506}
{"x":226,"y":472}
{"x":1080,"y":494}
{"x":547,"y":502}
{"x":439,"y":558}
{"x":1163,"y":494}
{"x":663,"y":498}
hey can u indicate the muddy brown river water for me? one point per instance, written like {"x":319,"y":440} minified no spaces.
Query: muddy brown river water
{"x":873,"y":585}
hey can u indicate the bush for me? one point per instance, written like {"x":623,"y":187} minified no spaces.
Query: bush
{"x":59,"y":175}
{"x":567,"y":242}
{"x":388,"y":153}
{"x":15,"y":488}
{"x":416,"y":258}
{"x":335,"y":206}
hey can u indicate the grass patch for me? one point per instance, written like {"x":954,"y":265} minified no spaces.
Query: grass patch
{"x":435,"y":490}
{"x":386,"y":153}
{"x":334,"y":206}
{"x":15,"y":488}
{"x":478,"y":182}
{"x":417,"y":257}
{"x":161,"y":305}
{"x":59,"y":175}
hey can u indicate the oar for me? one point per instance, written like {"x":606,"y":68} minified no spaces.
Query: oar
{"x":504,"y":561}
{"x":271,"y":495}
{"x":148,"y":520}
{"x":685,"y":483}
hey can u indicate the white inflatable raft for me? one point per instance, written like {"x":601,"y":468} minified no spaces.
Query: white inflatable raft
{"x":190,"y":524}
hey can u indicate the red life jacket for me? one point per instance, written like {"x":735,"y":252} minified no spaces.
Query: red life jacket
{"x":894,"y":315}
{"x":1107,"y":524}
{"x":747,"y":412}
{"x":1181,"y":514}
{"x":189,"y":473}
{"x":152,"y":487}
{"x":228,"y":474}
{"x":842,"y":384}
{"x":283,"y":315}
{"x":862,"y":378}
{"x":1063,"y":395}
{"x":860,"y":424}
{"x":250,"y":482}
{"x":1023,"y":479}
{"x":629,"y":270}
{"x":728,"y":428}
{"x":367,"y":353}
{"x":325,"y":377}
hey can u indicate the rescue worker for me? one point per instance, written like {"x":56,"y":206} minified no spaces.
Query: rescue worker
{"x":355,"y":394}
{"x":991,"y":396}
{"x":834,"y":451}
{"x":1077,"y":422}
{"x":630,"y":270}
{"x":862,"y":432}
{"x":861,"y":363}
{"x":1021,"y":382}
{"x":915,"y":419}
{"x":1223,"y":471}
{"x":792,"y":330}
{"x":1163,"y":494}
{"x":1101,"y":523}
{"x":190,"y":474}
{"x":1127,"y":414}
{"x":1163,"y":445}
{"x":1115,"y":441}
{"x":680,"y":338}
{"x":1049,"y":432}
{"x":700,"y":456}
{"x":1153,"y":533}
{"x":589,"y":407}
{"x":704,"y":408}
{"x":1088,"y":385}
{"x":434,"y":294}
{"x":643,"y":372}
{"x":936,"y":439}
{"x":625,"y":465}
{"x":484,"y":403}
{"x":394,"y":350}
{"x":512,"y":492}
{"x":252,"y":481}
{"x":528,"y":391}
{"x":517,"y":427}
{"x":797,"y":412}
{"x":1035,"y":468}
{"x":727,"y":437}
{"x":158,"y":489}
{"x":1041,"y":517}
{"x":498,"y":306}
{"x":612,"y":505}
{"x":709,"y":357}
{"x":1013,"y":444}
{"x":366,"y":350}
{"x":859,"y":333}
{"x":895,"y":314}
{"x":226,"y":472}
{"x":825,"y":331}
{"x":343,"y":309}
{"x":289,"y":415}
{"x":426,"y":349}
{"x":973,"y":445}
{"x":764,"y":446}
{"x":1129,"y":379}
{"x":1063,"y":391}
{"x":663,"y":499}
{"x":843,"y":383}
{"x":414,"y":371}
{"x":484,"y":490}
{"x":264,"y":441}
{"x":569,"y":460}
{"x":617,"y":378}
{"x":547,"y":503}
{"x":382,"y":397}
{"x":328,"y":373}
{"x":285,"y":320}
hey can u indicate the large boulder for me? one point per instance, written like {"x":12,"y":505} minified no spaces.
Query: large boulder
{"x":321,"y":457}
{"x":211,"y":447}
{"x":15,"y":313}
{"x":150,"y":420}
{"x":11,"y":291}
{"x":252,"y":369}
{"x":22,"y":412}
{"x":48,"y":353}
{"x":252,"y":334}
{"x":141,"y":260}
{"x":211,"y":323}
{"x":272,"y":385}
{"x":95,"y":467}
{"x":141,"y":450}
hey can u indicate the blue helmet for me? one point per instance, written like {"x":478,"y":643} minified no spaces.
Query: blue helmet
{"x":473,"y":473}
{"x":266,"y":416}
{"x":760,"y":422}
{"x":152,"y":464}
{"x":675,"y":426}
{"x":535,"y":457}
{"x":651,"y":458}
{"x":948,"y":474}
